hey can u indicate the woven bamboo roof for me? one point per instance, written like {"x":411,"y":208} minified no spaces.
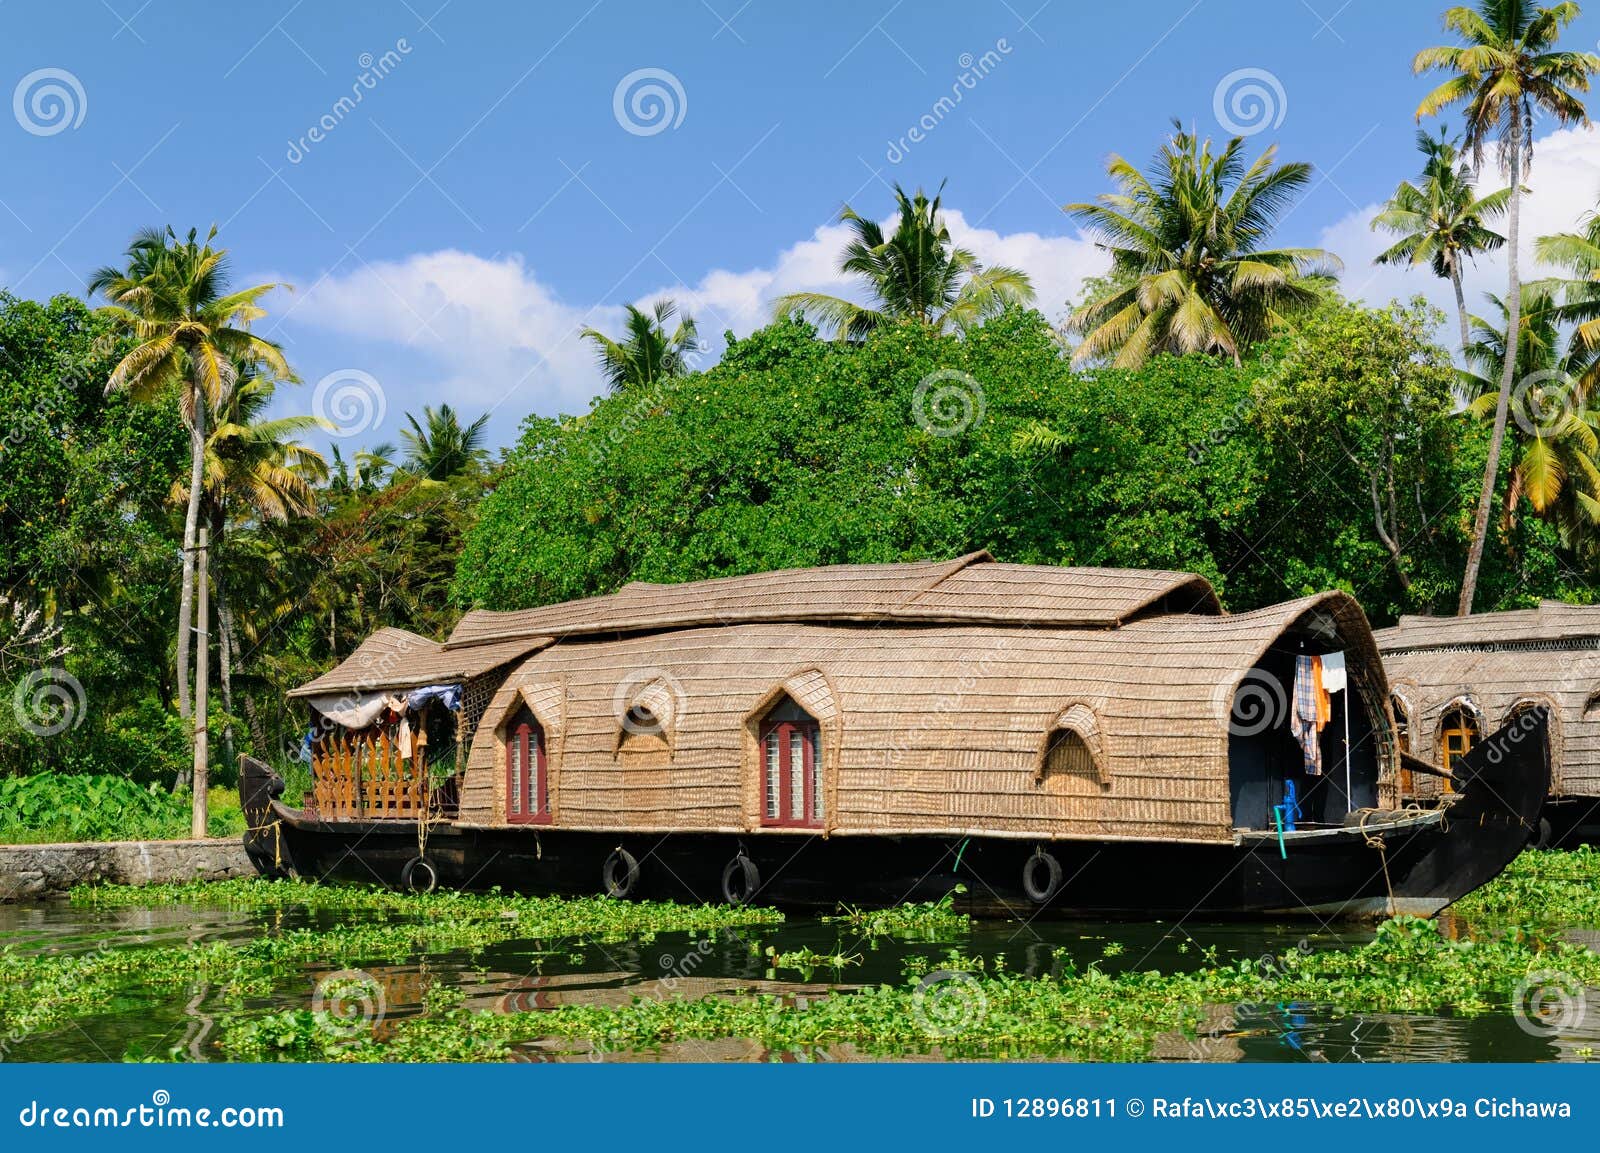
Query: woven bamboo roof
{"x":1488,"y":666}
{"x":1551,"y":623}
{"x":393,"y":658}
{"x":974,"y":589}
{"x":924,"y":729}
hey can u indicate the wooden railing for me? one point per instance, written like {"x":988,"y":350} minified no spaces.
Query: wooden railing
{"x":363,"y":775}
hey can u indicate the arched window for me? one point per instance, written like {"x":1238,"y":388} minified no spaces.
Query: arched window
{"x":1074,"y":751}
{"x":791,"y":767}
{"x":1402,"y":723}
{"x":1458,"y":732}
{"x":527,"y":775}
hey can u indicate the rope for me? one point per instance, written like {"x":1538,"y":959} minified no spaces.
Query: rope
{"x":1377,"y":842}
{"x":277,"y":840}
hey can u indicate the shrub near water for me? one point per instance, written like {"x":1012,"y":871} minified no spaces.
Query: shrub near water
{"x":49,"y":807}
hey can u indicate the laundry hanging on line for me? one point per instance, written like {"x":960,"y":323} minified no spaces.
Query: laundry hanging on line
{"x":1309,"y":712}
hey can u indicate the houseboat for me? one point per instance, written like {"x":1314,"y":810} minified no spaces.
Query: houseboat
{"x":1071,"y":739}
{"x":1455,"y":679}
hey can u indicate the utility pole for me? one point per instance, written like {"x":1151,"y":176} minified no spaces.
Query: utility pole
{"x":202,"y":659}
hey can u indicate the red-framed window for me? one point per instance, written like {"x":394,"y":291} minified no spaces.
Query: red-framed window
{"x":791,"y":769}
{"x":527,"y":776}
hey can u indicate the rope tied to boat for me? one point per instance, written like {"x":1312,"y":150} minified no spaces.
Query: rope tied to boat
{"x":1376,"y":841}
{"x":276,"y":826}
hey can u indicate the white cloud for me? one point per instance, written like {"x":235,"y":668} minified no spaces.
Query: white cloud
{"x":492,"y":332}
{"x":1563,"y":186}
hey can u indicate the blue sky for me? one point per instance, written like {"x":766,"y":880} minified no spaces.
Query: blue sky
{"x":495,"y":188}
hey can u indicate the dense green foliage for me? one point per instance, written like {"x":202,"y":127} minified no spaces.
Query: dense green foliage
{"x":958,"y":1001}
{"x":793,"y":451}
{"x":49,"y":807}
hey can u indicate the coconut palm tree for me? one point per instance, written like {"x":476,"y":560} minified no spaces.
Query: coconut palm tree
{"x":256,"y":470}
{"x":1507,"y":67}
{"x":440,"y":447}
{"x":915,"y":274}
{"x":1556,"y":469}
{"x":651,"y":348}
{"x":1579,"y":303}
{"x":173,"y":296}
{"x":1189,"y":270}
{"x":1440,"y":219}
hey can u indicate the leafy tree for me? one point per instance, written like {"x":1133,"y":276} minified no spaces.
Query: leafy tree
{"x":191,"y":331}
{"x":256,"y":470}
{"x":1440,"y":219}
{"x":1357,"y":409}
{"x":1555,"y":465}
{"x":1577,"y":299}
{"x":648,"y":351}
{"x":915,"y":274}
{"x":1507,"y":67}
{"x":1189,"y":272}
{"x":440,"y":446}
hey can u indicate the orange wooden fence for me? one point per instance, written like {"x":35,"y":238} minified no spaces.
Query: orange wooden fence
{"x":363,"y":775}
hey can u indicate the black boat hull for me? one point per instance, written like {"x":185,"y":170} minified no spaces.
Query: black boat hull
{"x":1379,"y":864}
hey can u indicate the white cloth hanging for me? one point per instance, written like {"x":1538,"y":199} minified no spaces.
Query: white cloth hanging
{"x":1334,"y":679}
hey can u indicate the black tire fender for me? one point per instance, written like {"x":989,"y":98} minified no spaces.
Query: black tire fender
{"x":741,"y":880}
{"x":620,"y":874}
{"x":1040,"y":889}
{"x":419,"y":876}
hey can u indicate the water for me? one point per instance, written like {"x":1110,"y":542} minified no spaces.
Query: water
{"x":529,"y":975}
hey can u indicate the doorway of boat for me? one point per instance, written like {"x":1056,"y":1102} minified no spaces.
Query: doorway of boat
{"x":1306,"y":731}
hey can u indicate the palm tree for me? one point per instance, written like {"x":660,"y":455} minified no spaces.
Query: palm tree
{"x":648,"y":351}
{"x":1556,"y":468}
{"x":1578,"y":253}
{"x":439,"y":447}
{"x":173,"y":297}
{"x":256,"y":470}
{"x":916,"y":274}
{"x":1507,"y":68}
{"x":1188,"y":270}
{"x":1440,"y":219}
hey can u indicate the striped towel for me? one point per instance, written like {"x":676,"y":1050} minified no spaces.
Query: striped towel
{"x":1305,"y":719}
